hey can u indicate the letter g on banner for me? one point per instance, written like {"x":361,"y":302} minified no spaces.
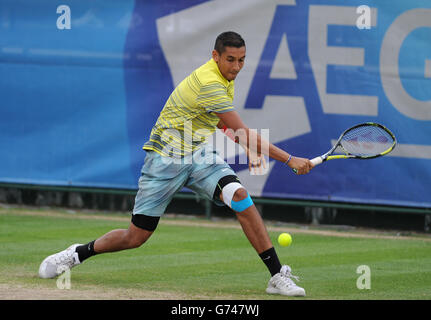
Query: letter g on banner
{"x":389,"y":64}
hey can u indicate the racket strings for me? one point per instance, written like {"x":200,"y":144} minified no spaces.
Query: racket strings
{"x":367,"y":141}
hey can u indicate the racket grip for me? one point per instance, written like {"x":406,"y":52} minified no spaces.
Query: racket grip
{"x":316,"y":161}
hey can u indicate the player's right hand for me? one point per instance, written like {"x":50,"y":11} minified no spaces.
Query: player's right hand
{"x":300,"y":165}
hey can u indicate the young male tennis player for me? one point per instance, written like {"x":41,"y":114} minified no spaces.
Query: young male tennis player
{"x":205,"y":100}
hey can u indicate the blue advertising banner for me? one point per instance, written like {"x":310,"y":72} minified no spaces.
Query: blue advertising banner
{"x":83,"y":82}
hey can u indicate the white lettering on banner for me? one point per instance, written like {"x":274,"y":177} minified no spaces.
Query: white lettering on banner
{"x":427,"y":68}
{"x":389,"y":64}
{"x":321,"y":55}
{"x":187,"y":47}
{"x":283,"y":67}
{"x":63,"y":21}
{"x":282,"y":108}
{"x":411,"y":151}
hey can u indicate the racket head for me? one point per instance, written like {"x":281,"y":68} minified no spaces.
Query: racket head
{"x":367,"y":140}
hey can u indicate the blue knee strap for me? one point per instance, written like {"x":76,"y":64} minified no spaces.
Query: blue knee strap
{"x":243,"y":204}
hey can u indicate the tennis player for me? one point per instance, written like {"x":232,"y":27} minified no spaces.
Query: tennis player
{"x":199,"y":104}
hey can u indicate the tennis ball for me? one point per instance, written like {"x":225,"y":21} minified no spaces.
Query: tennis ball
{"x":285,"y":239}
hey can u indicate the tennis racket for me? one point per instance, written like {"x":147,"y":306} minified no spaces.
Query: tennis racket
{"x":364,"y":141}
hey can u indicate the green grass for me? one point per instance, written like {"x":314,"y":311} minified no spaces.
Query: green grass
{"x":205,"y":262}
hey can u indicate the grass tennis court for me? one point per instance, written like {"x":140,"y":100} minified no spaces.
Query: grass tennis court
{"x":191,"y":258}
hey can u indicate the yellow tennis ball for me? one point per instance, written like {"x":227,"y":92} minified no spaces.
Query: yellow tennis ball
{"x":285,"y":239}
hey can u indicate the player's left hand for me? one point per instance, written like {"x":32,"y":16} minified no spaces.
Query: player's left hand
{"x":256,"y":162}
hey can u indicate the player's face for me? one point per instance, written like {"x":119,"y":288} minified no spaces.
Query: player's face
{"x":230,"y":62}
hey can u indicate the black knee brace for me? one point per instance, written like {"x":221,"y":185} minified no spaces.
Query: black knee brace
{"x":145,"y":222}
{"x":221,"y":183}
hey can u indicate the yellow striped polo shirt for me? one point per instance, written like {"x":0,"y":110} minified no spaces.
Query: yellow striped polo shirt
{"x":188,"y":117}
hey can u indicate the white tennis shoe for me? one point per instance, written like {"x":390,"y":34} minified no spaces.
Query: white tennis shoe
{"x":282,"y":283}
{"x":56,"y":264}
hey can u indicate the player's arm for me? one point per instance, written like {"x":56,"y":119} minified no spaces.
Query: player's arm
{"x":228,"y":132}
{"x":255,"y":142}
{"x":257,"y":162}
